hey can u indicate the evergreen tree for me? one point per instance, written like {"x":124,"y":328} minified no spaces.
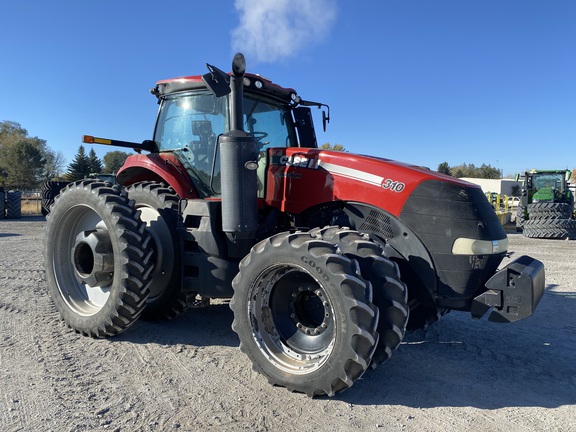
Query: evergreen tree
{"x":80,"y":166}
{"x":94,"y":162}
{"x":444,"y":168}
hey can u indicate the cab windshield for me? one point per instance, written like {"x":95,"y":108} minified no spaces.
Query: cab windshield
{"x":547,"y":181}
{"x":189,"y":125}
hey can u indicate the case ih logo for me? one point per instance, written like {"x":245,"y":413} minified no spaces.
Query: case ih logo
{"x":299,"y":161}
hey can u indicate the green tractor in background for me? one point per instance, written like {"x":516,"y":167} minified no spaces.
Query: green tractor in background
{"x":546,"y":208}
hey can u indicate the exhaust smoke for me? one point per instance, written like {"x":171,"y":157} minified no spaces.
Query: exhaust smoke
{"x":274,"y":30}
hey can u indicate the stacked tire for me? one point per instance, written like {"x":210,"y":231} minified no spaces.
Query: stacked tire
{"x":2,"y":203}
{"x":13,"y":204}
{"x":520,"y":217}
{"x":550,"y":220}
{"x":50,"y":189}
{"x":10,"y":204}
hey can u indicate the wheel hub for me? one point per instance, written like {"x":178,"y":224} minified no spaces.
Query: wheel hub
{"x":93,"y":258}
{"x":308,"y":310}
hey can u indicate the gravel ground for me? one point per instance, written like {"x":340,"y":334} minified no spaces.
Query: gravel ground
{"x":188,"y":374}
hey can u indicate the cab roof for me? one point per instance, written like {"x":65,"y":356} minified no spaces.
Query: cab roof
{"x":252,"y":83}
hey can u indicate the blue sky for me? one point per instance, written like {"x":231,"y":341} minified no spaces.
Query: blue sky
{"x":421,"y":81}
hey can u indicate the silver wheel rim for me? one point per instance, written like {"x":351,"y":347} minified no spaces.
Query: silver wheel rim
{"x":292,"y":319}
{"x":75,"y":261}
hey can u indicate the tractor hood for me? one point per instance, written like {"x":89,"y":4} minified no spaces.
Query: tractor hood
{"x":324,"y":176}
{"x":403,"y":204}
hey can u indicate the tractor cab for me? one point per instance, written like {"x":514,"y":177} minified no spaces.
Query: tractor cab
{"x":192,"y":117}
{"x":547,"y":186}
{"x":190,"y":123}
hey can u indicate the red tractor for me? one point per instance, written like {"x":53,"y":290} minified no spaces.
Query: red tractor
{"x":328,"y":257}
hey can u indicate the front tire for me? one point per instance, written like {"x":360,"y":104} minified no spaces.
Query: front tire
{"x":390,"y":293}
{"x":304,"y":315}
{"x":97,"y":259}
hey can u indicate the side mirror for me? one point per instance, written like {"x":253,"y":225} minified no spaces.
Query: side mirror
{"x":325,"y":118}
{"x":217,"y":81}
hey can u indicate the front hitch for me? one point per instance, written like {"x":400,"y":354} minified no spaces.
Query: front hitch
{"x":513,"y":292}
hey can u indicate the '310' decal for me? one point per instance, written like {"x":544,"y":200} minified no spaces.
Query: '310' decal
{"x":393,"y":185}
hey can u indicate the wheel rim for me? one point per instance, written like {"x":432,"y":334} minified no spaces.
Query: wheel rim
{"x":83,"y":261}
{"x":163,"y":257}
{"x":293,"y":320}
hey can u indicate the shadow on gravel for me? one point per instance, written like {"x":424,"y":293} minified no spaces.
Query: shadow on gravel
{"x":459,"y":362}
{"x":205,"y":326}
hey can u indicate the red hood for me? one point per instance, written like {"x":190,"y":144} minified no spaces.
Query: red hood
{"x":306,"y":177}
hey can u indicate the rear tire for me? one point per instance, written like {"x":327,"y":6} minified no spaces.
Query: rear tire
{"x":520,"y":218}
{"x":304,"y":315}
{"x":158,"y":206}
{"x":50,"y":190}
{"x":98,"y":259}
{"x":389,"y":292}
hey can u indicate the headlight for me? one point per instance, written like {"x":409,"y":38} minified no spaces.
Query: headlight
{"x":466,"y":246}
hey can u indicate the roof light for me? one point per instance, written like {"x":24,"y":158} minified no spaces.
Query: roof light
{"x":258,"y":84}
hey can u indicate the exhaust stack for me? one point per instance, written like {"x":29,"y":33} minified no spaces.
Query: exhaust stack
{"x":238,"y":162}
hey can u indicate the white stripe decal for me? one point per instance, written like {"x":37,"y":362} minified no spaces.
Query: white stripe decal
{"x":352,"y":173}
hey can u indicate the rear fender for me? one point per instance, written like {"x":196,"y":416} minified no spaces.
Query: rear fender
{"x":161,"y":167}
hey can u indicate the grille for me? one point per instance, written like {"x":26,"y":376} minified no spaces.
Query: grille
{"x":378,"y":223}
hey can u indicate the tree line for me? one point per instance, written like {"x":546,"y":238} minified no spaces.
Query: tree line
{"x":470,"y":170}
{"x":484,"y":171}
{"x":84,"y":165}
{"x":26,"y":162}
